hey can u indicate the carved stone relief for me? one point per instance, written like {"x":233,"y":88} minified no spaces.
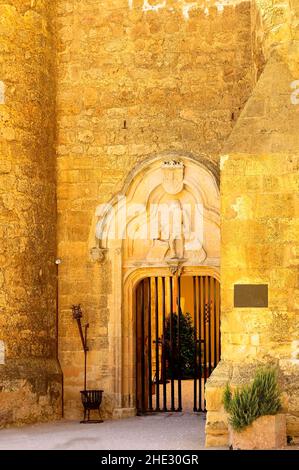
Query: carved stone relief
{"x":169,"y":215}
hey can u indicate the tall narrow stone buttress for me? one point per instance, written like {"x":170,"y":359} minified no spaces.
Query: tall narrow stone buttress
{"x":30,"y":377}
{"x":260,"y":209}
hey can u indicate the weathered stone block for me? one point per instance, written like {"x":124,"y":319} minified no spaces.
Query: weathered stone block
{"x":219,"y":440}
{"x":214,"y":398}
{"x":266,"y":432}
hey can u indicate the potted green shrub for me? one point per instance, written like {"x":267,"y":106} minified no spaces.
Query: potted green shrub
{"x":255,"y":421}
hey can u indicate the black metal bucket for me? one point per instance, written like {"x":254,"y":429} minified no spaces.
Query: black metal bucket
{"x":91,"y":400}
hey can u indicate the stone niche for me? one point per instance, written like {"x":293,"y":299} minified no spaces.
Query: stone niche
{"x":164,"y":221}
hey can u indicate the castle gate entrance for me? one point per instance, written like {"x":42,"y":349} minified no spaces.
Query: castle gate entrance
{"x":160,"y":239}
{"x":177,"y":341}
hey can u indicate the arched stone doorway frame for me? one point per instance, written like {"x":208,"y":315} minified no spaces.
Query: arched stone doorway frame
{"x":131,"y":281}
{"x":127,"y":274}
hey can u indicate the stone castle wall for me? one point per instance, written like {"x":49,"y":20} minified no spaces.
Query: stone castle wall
{"x":30,"y":379}
{"x":132,"y":83}
{"x":259,"y":200}
{"x":138,"y":78}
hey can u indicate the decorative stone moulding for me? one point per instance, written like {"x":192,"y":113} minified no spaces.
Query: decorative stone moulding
{"x":178,"y":182}
{"x":175,"y":265}
{"x":122,"y":236}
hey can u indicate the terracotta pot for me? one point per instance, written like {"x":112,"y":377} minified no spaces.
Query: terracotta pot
{"x":266,"y":432}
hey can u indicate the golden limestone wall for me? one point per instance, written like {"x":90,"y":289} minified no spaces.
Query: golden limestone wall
{"x":30,"y":380}
{"x":138,"y":78}
{"x":260,"y":241}
{"x":271,"y":23}
{"x":275,"y":22}
{"x":132,"y":83}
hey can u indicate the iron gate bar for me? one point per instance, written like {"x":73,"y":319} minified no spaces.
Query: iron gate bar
{"x":200,"y":344}
{"x":138,"y":353}
{"x":157,"y":344}
{"x":149,"y":359}
{"x":153,"y":319}
{"x":203,"y":317}
{"x":204,"y":327}
{"x":179,"y":317}
{"x":209,"y":325}
{"x":195,"y":344}
{"x":163,"y":375}
{"x":142,"y":355}
{"x":215,"y":323}
{"x":218,"y":319}
{"x":171,"y":343}
{"x":207,"y":320}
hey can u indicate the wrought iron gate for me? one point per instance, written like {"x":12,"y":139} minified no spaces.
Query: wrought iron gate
{"x":172,"y":344}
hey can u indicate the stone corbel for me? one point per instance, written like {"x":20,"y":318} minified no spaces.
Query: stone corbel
{"x":176,"y":265}
{"x":98,"y":254}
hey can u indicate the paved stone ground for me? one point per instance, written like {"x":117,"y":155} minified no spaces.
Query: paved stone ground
{"x":177,"y":431}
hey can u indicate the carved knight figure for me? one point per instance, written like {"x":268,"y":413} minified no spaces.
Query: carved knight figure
{"x":167,"y":230}
{"x":174,"y":233}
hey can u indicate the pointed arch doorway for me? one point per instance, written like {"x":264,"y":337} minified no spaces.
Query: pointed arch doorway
{"x":177,"y":340}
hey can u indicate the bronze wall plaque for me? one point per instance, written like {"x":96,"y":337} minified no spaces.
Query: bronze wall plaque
{"x":251,"y":295}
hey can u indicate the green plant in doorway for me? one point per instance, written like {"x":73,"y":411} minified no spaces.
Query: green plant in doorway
{"x":180,"y":363}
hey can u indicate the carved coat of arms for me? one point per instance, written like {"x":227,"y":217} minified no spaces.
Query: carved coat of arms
{"x":173,"y":176}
